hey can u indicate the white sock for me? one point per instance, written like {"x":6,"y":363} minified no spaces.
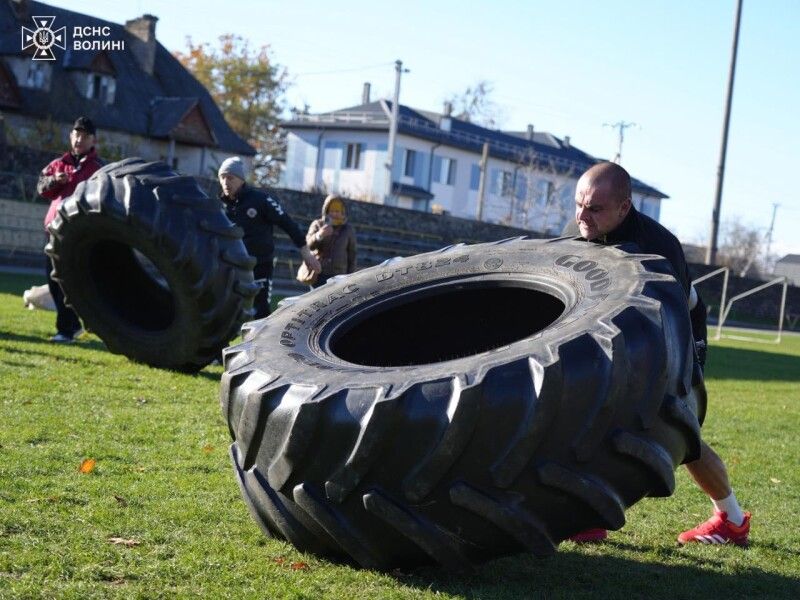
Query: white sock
{"x":730,"y":506}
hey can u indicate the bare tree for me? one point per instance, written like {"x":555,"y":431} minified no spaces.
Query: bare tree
{"x":742,"y":248}
{"x":540,"y":194}
{"x":475,"y":104}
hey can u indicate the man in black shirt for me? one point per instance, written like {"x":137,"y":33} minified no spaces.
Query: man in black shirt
{"x":257,"y":211}
{"x":604,"y":215}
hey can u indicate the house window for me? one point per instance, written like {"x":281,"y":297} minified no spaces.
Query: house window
{"x":37,"y":75}
{"x":101,"y":87}
{"x":504,"y":185}
{"x":544,"y":192}
{"x":444,"y":170}
{"x":449,"y":171}
{"x":352,"y":156}
{"x":411,"y":159}
{"x":474,"y":177}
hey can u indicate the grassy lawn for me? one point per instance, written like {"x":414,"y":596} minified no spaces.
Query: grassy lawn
{"x":160,"y":514}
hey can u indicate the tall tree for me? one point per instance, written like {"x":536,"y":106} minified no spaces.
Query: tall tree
{"x":475,"y":104}
{"x":248,"y":86}
{"x":741,"y":248}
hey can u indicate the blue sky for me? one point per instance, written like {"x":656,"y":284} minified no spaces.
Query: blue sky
{"x":566,"y":67}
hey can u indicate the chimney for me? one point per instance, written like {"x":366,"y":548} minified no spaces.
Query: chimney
{"x":22,"y":9}
{"x":566,"y":141}
{"x":143,"y":44}
{"x":446,"y":122}
{"x":530,"y":132}
{"x":365,"y":93}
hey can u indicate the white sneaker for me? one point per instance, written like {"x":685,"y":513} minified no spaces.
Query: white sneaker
{"x":60,"y":338}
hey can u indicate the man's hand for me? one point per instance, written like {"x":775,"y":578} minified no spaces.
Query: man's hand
{"x":325,"y":232}
{"x":310,"y":259}
{"x":61,"y":178}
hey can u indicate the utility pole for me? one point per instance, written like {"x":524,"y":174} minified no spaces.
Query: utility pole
{"x":775,"y":206}
{"x":398,"y":68}
{"x":622,"y":126}
{"x":482,"y":181}
{"x":711,"y":251}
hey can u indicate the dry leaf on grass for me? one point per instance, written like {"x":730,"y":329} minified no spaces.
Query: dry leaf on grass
{"x":87,"y":465}
{"x":774,"y":480}
{"x":123,"y":542}
{"x":279,"y":561}
{"x":120,"y":500}
{"x":300,"y":566}
{"x":208,"y":448}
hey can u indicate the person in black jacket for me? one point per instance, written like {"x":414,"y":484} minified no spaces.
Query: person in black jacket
{"x":257,"y":212}
{"x":605,"y":215}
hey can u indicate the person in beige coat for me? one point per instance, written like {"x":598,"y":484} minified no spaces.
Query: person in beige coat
{"x":333,"y":240}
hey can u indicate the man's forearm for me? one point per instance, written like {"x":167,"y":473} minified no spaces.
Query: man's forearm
{"x":46,"y":183}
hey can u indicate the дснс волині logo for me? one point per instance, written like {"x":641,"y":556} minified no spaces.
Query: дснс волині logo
{"x":43,"y":38}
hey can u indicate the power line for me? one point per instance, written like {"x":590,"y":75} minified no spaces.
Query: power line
{"x":349,"y":70}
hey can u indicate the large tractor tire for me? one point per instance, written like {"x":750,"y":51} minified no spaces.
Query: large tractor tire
{"x":464,"y":404}
{"x":152,"y":265}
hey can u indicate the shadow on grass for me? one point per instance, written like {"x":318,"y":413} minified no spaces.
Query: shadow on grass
{"x":35,"y":339}
{"x":575,"y":575}
{"x":737,"y":363}
{"x":84,"y":345}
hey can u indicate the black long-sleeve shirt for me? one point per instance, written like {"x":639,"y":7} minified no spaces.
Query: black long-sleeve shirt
{"x":653,"y":238}
{"x":257,"y":212}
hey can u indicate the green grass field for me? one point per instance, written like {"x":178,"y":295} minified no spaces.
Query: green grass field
{"x":160,"y":514}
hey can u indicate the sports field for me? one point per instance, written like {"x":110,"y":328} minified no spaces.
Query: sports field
{"x":158,"y":512}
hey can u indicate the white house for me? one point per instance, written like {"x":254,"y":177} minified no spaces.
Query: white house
{"x":789,"y":266}
{"x":530,"y":176}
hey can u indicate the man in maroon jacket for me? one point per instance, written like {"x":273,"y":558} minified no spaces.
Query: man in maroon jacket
{"x":57,"y":181}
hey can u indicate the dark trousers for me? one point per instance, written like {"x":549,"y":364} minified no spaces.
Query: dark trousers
{"x":67,"y":322}
{"x":263,"y":276}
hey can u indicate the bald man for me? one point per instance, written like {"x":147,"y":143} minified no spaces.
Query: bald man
{"x":604,"y":214}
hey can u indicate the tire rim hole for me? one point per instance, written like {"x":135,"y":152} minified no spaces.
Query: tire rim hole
{"x":429,"y":328}
{"x":130,"y":286}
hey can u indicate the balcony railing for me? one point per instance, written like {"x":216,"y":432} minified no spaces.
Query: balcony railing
{"x":520,"y":152}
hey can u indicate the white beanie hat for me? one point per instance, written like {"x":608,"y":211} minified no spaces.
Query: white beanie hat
{"x":234,"y":166}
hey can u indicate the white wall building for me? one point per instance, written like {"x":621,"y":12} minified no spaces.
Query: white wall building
{"x":789,"y":266}
{"x":530,"y":177}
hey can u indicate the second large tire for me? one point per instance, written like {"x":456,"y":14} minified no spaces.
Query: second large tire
{"x":463,"y":404}
{"x":152,"y":265}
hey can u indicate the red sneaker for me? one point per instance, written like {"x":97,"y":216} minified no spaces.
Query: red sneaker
{"x":718,"y":530}
{"x":588,"y":536}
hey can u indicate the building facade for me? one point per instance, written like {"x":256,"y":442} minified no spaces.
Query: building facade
{"x":528,"y":181}
{"x":142,"y":100}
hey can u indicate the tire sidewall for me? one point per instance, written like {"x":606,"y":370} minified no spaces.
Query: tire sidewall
{"x":83,"y":292}
{"x":593,"y":283}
